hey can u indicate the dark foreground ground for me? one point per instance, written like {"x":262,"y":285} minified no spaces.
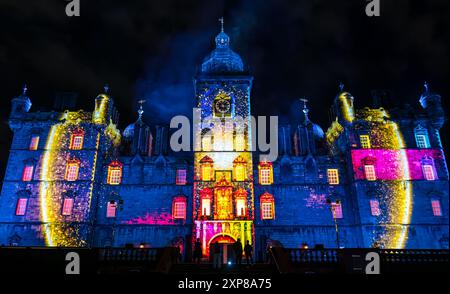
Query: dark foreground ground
{"x":165,"y":261}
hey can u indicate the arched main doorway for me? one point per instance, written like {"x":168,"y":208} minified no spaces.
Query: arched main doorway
{"x":226,"y":242}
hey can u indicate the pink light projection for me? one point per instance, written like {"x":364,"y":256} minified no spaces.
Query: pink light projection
{"x":152,"y":219}
{"x":316,"y":201}
{"x":388,"y":163}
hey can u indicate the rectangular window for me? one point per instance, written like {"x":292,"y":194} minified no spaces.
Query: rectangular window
{"x":265,"y":175}
{"x":206,"y":173}
{"x":76,"y":141}
{"x":240,"y":207}
{"x":436,"y":206}
{"x":206,"y":207}
{"x":333,"y":176}
{"x":337,"y":210}
{"x":369,"y":170}
{"x":421,"y":141}
{"x":27,"y":174}
{"x":181,"y":177}
{"x":428,"y":172}
{"x":72,"y":171}
{"x":21,"y":206}
{"x":365,"y":141}
{"x":240,"y":172}
{"x":267,"y":210}
{"x":34,"y":143}
{"x":375,"y":207}
{"x":67,"y":206}
{"x":179,"y":210}
{"x":111,"y":209}
{"x":115,"y":176}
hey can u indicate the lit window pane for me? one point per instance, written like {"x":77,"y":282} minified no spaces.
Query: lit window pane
{"x":333,"y":176}
{"x":375,"y":207}
{"x":179,"y":210}
{"x":265,"y":176}
{"x":370,"y":172}
{"x":111,"y":209}
{"x":337,"y":210}
{"x":67,"y":206}
{"x":206,"y":172}
{"x":436,"y":206}
{"x":428,"y":172}
{"x":240,"y":207}
{"x":72,"y":171}
{"x":21,"y":206}
{"x":422,"y":141}
{"x":240,"y":172}
{"x":114,"y":175}
{"x":365,"y":141}
{"x":267,"y":211}
{"x":206,"y":206}
{"x":27,"y":174}
{"x":181,"y":177}
{"x":34,"y":143}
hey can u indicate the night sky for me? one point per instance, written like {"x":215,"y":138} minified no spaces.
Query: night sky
{"x":152,"y":49}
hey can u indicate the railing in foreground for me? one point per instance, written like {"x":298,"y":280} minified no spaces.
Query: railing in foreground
{"x":356,"y":260}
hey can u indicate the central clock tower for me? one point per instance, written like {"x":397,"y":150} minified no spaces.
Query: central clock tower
{"x":223,"y":173}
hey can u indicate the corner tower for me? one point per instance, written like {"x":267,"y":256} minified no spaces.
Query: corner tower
{"x":223,"y":190}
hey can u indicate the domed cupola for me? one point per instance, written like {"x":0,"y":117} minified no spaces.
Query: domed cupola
{"x":137,"y":136}
{"x":20,"y":104}
{"x":431,"y":103}
{"x":222,"y":60}
{"x":307,"y":134}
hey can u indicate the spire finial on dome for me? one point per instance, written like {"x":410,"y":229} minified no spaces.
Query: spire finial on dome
{"x":141,"y":109}
{"x":305,"y":108}
{"x":221,"y":20}
{"x":106,"y":88}
{"x":426,"y":86}
{"x":24,"y":89}
{"x":341,"y":86}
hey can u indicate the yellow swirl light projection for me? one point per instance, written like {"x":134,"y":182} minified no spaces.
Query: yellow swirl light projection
{"x":57,"y":231}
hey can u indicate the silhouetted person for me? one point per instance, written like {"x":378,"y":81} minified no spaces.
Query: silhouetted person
{"x":238,"y":251}
{"x":197,"y":251}
{"x":248,"y":249}
{"x":216,"y":255}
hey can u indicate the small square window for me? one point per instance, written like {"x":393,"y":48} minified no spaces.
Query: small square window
{"x":428,"y":172}
{"x":72,"y":171}
{"x":240,"y":207}
{"x":21,"y":207}
{"x":27,"y":174}
{"x":67,"y":206}
{"x":333,"y":176}
{"x":206,"y":207}
{"x":265,"y":176}
{"x":365,"y":141}
{"x":111,"y":209}
{"x":421,"y":141}
{"x":369,"y":170}
{"x":375,"y":207}
{"x":179,"y":210}
{"x":337,"y":210}
{"x":34,"y":142}
{"x":436,"y":206}
{"x":181,"y":177}
{"x":267,"y":210}
{"x":76,"y":140}
{"x":240,"y":172}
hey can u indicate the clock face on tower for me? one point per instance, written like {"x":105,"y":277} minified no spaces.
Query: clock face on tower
{"x":222,"y":105}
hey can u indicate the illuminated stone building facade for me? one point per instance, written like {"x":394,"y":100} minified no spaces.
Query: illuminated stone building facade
{"x":378,"y":176}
